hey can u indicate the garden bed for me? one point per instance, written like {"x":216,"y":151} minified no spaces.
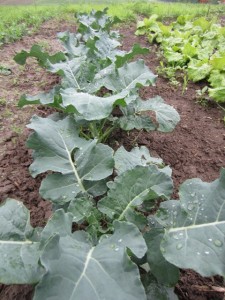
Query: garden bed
{"x":196,"y":148}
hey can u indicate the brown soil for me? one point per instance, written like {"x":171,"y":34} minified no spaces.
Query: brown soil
{"x":196,"y":148}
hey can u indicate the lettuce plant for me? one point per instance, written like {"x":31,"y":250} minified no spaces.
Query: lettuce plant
{"x":195,"y":46}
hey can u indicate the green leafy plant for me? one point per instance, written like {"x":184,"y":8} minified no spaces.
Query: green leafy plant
{"x":120,"y":248}
{"x":97,"y":78}
{"x":194,"y":46}
{"x":119,"y":239}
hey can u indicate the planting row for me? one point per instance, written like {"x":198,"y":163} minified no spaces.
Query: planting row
{"x":121,"y":248}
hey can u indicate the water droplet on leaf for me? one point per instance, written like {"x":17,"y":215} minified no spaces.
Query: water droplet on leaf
{"x":179,"y":246}
{"x":218,"y":243}
{"x":175,"y":236}
{"x":190,"y":206}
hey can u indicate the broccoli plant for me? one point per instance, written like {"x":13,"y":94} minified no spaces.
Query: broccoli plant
{"x":131,"y":238}
{"x":96,"y":78}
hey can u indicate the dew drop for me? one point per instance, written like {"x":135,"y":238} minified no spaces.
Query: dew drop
{"x":190,"y":206}
{"x":179,"y":246}
{"x":64,"y":197}
{"x":218,"y":243}
{"x":207,"y":252}
{"x":198,"y":253}
{"x":192,"y":194}
{"x":120,"y":240}
{"x":210,"y":240}
{"x":73,"y":192}
{"x":176,"y":237}
{"x":117,"y":249}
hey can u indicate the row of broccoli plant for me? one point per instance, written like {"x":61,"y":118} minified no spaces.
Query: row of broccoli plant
{"x":121,"y":249}
{"x":192,"y":46}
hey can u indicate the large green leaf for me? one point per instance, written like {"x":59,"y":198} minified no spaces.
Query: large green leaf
{"x":92,"y":107}
{"x":43,"y":58}
{"x":60,"y":223}
{"x":81,"y":208}
{"x":61,"y":188}
{"x":76,"y":73}
{"x":157,"y":291}
{"x":96,"y":20}
{"x":131,"y":188}
{"x":125,"y":160}
{"x":166,"y":273}
{"x":105,"y":47}
{"x":51,"y":98}
{"x":127,"y":78}
{"x":53,"y":142}
{"x":82,"y":164}
{"x":136,"y":50}
{"x":72,"y":45}
{"x":194,"y":236}
{"x":19,"y":246}
{"x":78,"y":270}
{"x":166,"y":116}
{"x":136,"y":121}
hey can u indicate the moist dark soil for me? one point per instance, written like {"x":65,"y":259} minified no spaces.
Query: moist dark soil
{"x":196,"y":148}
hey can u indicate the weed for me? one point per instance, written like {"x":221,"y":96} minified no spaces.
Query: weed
{"x":7,"y":113}
{"x":17,"y":129}
{"x":2,"y":102}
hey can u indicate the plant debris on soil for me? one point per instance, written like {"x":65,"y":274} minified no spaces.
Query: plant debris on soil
{"x":196,"y":148}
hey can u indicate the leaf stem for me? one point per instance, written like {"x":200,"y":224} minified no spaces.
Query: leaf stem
{"x":106,"y":134}
{"x":94,"y":131}
{"x":79,"y":181}
{"x":71,"y":72}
